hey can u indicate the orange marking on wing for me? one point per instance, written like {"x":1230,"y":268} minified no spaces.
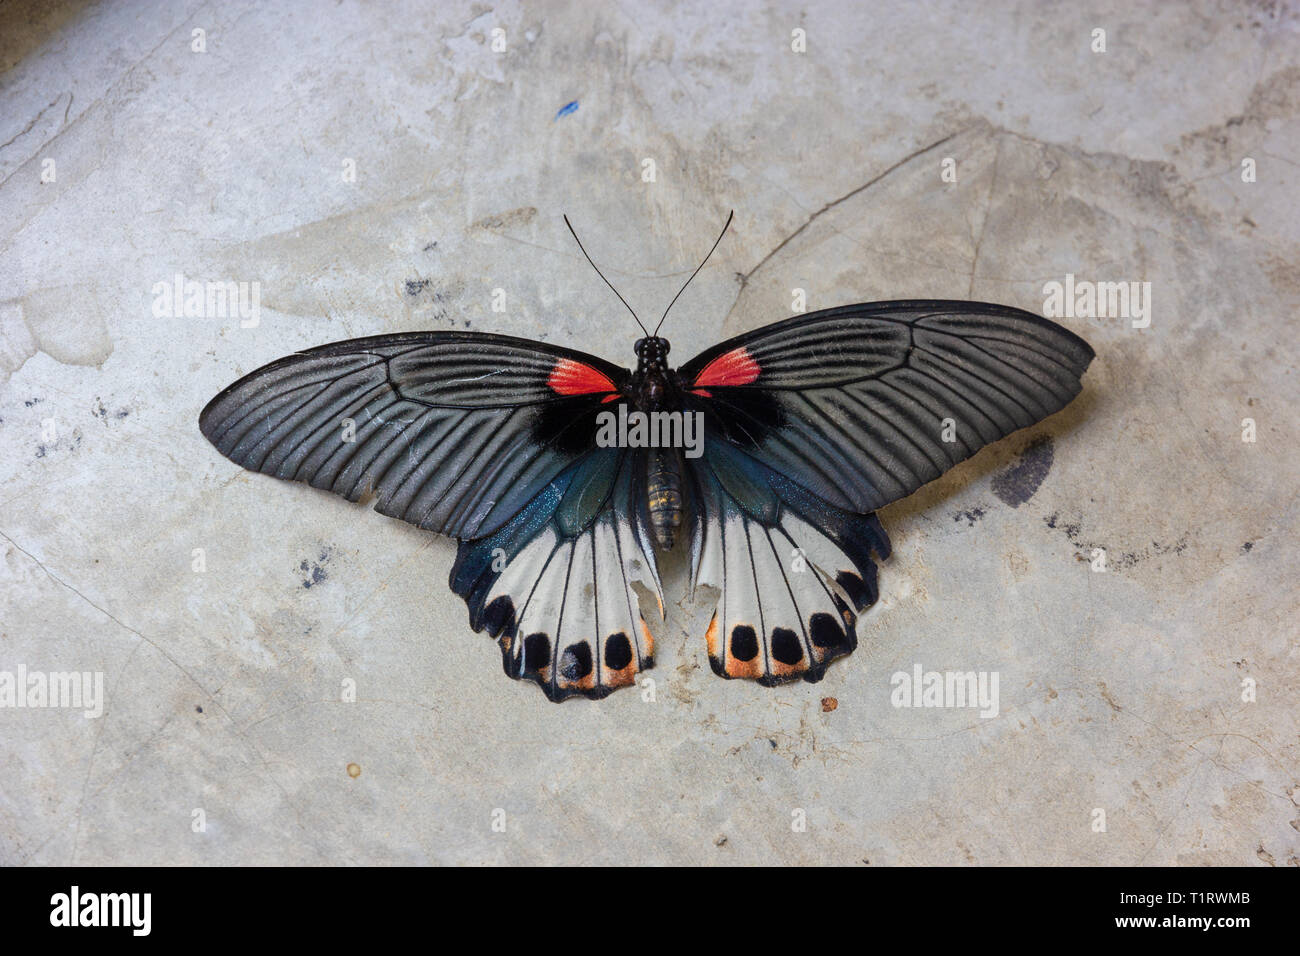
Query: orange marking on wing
{"x":730,"y":368}
{"x":735,"y":667}
{"x":623,"y":676}
{"x":751,"y":669}
{"x":573,"y":378}
{"x":711,"y":637}
{"x":648,"y":638}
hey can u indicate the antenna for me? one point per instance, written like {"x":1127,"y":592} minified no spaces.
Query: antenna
{"x":602,"y":275}
{"x":696,"y":272}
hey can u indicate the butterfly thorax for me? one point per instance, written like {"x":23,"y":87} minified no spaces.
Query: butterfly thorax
{"x":654,"y":388}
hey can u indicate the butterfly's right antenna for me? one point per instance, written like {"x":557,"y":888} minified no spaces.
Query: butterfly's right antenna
{"x":697,"y":270}
{"x":602,"y":275}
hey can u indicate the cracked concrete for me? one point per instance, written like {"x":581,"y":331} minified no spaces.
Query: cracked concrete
{"x":287,"y":676}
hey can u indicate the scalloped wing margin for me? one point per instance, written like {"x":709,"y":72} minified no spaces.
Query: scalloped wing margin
{"x":554,"y":585}
{"x":792,"y":572}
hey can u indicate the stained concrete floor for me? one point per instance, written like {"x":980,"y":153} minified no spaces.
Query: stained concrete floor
{"x":1126,"y":731}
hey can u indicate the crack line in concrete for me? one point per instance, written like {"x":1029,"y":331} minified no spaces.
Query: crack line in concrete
{"x":744,"y":279}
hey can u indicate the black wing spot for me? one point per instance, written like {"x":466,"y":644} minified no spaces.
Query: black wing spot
{"x":576,"y":662}
{"x":537,"y":652}
{"x":857,"y":590}
{"x":618,"y":651}
{"x":744,"y":643}
{"x":826,"y":631}
{"x":500,"y":615}
{"x":786,"y":647}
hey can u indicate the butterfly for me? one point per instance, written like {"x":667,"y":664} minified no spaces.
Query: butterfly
{"x":807,"y":427}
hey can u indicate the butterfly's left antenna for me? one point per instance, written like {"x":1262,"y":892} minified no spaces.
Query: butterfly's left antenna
{"x":602,"y":275}
{"x":696,"y":272}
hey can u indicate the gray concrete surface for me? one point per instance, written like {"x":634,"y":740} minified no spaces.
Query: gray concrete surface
{"x":1122,"y":734}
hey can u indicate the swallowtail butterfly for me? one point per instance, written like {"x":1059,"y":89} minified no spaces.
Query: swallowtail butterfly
{"x":810,"y":426}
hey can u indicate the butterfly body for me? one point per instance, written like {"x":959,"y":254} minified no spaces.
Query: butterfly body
{"x":809,"y":426}
{"x":664,"y":501}
{"x":656,"y":388}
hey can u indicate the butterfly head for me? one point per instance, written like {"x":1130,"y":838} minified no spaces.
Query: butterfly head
{"x":651,"y":352}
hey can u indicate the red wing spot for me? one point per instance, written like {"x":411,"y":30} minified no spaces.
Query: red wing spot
{"x":573,"y":378}
{"x":730,"y":368}
{"x":702,"y":391}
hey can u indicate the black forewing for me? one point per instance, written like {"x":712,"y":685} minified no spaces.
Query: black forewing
{"x":863,"y":404}
{"x":454,"y":432}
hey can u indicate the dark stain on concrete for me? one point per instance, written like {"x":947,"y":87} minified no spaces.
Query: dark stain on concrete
{"x":507,"y":220}
{"x":1017,"y":484}
{"x":60,"y":444}
{"x":1071,"y":529}
{"x":1108,"y":697}
{"x":1116,"y":560}
{"x":314,"y":571}
{"x":101,"y":412}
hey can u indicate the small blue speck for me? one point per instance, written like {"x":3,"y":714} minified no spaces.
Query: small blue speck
{"x":567,"y":108}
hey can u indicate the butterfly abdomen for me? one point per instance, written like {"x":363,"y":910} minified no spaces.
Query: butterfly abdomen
{"x":664,"y":495}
